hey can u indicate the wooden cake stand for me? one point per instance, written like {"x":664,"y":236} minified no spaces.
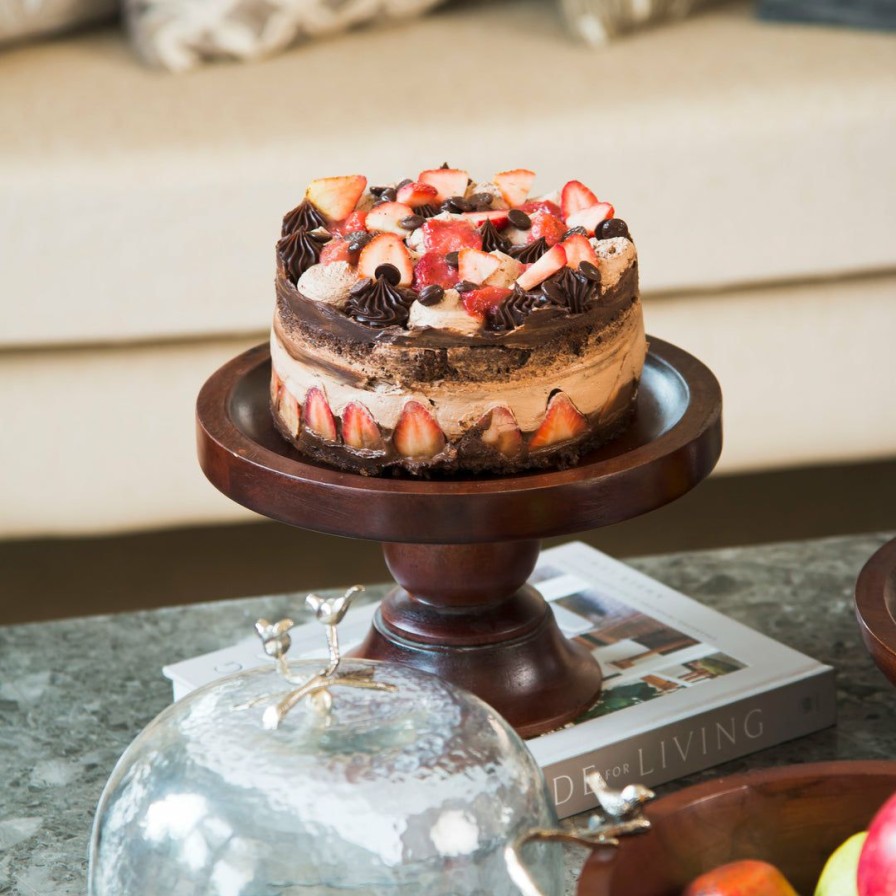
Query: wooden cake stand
{"x":462,"y":549}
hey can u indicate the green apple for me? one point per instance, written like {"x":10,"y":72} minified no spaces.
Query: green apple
{"x":839,"y":875}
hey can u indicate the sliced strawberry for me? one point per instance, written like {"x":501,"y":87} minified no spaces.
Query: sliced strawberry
{"x":352,"y":224}
{"x":318,"y":416}
{"x":507,"y":272}
{"x":417,"y":434}
{"x":484,"y":300}
{"x":450,"y":235}
{"x":498,"y":217}
{"x":434,"y":268}
{"x":359,"y":429}
{"x":549,"y":263}
{"x":386,"y":248}
{"x":590,"y":217}
{"x":515,"y":185}
{"x":574,"y":197}
{"x":546,"y":225}
{"x":475,"y":265}
{"x":578,"y":248}
{"x":385,"y":217}
{"x":561,"y":423}
{"x":336,"y":197}
{"x":276,"y":386}
{"x":290,"y":412}
{"x":447,"y":181}
{"x":335,"y":250}
{"x":501,"y":432}
{"x":545,"y":205}
{"x":418,"y":193}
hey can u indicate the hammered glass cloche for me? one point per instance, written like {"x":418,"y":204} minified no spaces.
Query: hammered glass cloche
{"x":360,"y":777}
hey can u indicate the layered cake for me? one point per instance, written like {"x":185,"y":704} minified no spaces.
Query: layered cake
{"x":440,"y":325}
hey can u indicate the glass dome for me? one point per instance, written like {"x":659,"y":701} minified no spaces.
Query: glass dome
{"x":412,"y":790}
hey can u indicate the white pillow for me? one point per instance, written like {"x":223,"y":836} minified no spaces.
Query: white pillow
{"x":181,"y":34}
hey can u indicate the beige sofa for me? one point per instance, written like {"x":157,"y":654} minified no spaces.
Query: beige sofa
{"x":754,"y":162}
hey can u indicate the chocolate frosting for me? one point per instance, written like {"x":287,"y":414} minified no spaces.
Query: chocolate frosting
{"x":511,"y":313}
{"x":304,"y":215}
{"x":377,"y":303}
{"x":530,"y":252}
{"x":298,"y":251}
{"x":571,"y":290}
{"x":492,"y":239}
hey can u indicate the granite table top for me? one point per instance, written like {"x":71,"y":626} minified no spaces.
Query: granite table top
{"x":75,"y":692}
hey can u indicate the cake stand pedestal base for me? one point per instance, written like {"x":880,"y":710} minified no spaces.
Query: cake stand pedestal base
{"x":463,"y":612}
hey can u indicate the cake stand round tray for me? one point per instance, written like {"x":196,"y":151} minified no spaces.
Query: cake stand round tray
{"x":461,"y":549}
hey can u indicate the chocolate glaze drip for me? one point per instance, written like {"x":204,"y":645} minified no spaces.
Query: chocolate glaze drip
{"x":571,"y":290}
{"x":515,"y":309}
{"x":492,"y":239}
{"x":298,"y":251}
{"x":377,"y":303}
{"x":530,"y":252}
{"x":304,"y":215}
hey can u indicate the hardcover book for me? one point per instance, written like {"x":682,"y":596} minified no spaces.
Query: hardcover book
{"x":685,"y":687}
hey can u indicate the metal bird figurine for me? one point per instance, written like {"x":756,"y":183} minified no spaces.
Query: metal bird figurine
{"x":618,"y":804}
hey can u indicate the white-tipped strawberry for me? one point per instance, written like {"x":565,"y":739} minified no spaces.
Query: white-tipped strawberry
{"x":561,"y":423}
{"x":498,"y":217}
{"x":290,"y":412}
{"x":318,"y":416}
{"x":359,"y":429}
{"x":418,"y":193}
{"x":417,"y":434}
{"x":386,"y":248}
{"x":590,"y":217}
{"x":578,"y":248}
{"x":549,"y":263}
{"x":475,"y":265}
{"x":336,"y":197}
{"x":501,"y":432}
{"x":385,"y":217}
{"x":575,"y":197}
{"x":447,"y":181}
{"x":515,"y":185}
{"x":507,"y":272}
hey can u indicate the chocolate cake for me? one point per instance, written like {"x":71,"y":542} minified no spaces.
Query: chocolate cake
{"x":438,"y":325}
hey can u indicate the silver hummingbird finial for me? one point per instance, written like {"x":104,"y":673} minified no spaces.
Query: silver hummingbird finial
{"x":276,"y":642}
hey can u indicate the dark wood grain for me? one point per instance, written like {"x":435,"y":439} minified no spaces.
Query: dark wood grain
{"x":875,"y":603}
{"x":791,"y":816}
{"x":461,"y":548}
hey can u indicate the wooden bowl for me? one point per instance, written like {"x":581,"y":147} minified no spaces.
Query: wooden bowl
{"x":876,"y":608}
{"x":792,"y":816}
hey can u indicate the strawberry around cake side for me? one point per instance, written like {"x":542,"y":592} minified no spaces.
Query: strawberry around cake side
{"x":439,"y":325}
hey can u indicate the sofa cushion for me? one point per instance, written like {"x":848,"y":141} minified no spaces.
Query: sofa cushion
{"x":141,"y":206}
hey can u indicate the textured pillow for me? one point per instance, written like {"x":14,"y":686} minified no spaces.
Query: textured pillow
{"x":20,"y":19}
{"x":181,"y":34}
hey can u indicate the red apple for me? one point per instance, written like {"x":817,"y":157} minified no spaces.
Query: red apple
{"x":877,"y":861}
{"x":747,"y":877}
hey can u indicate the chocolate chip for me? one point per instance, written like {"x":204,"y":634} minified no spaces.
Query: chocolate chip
{"x":320,"y":235}
{"x":465,"y":286}
{"x":357,"y":240}
{"x":590,"y":271}
{"x":389,"y":194}
{"x":389,"y":273}
{"x":611,"y":227}
{"x":411,"y":222}
{"x":554,"y":292}
{"x":360,"y":286}
{"x":519,"y":219}
{"x":574,"y":230}
{"x":452,"y":258}
{"x":457,"y":204}
{"x":481,"y":201}
{"x":377,"y":191}
{"x":431,"y":295}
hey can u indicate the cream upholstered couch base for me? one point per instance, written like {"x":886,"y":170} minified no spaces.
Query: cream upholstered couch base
{"x":140,"y":210}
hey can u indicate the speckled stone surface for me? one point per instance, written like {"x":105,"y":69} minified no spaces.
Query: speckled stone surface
{"x":74,"y":693}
